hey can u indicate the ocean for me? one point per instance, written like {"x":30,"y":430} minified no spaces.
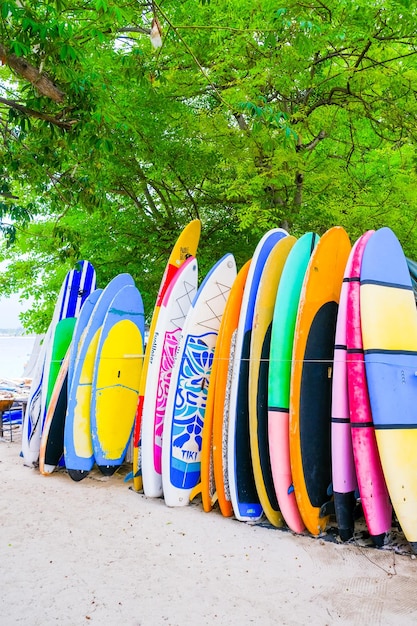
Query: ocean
{"x":14,"y":354}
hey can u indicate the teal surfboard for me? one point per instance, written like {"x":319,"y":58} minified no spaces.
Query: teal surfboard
{"x":282,"y":339}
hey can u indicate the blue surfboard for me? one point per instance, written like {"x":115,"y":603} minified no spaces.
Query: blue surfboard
{"x":116,"y":379}
{"x":80,"y":326}
{"x":78,"y":450}
{"x":243,"y":493}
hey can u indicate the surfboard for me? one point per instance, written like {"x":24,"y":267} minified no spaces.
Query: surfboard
{"x":282,"y":339}
{"x":216,"y":397}
{"x":61,"y":342}
{"x":31,"y":427}
{"x":311,"y":378}
{"x":206,"y":487}
{"x":78,"y":446}
{"x":343,"y":464}
{"x":173,"y":310}
{"x":258,"y":378}
{"x":116,"y":377}
{"x":76,"y":286}
{"x":59,"y":346}
{"x":223,"y":355}
{"x":371,"y":482}
{"x":185,"y":246}
{"x":243,"y":494}
{"x":389,"y":333}
{"x":186,"y":403}
{"x":80,"y":326}
{"x":52,"y":439}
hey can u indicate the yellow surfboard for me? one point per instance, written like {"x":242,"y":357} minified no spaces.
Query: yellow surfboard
{"x":389,"y":331}
{"x":116,"y":393}
{"x":82,"y":425}
{"x":258,"y":378}
{"x":117,"y":373}
{"x":311,"y":377}
{"x":185,"y":246}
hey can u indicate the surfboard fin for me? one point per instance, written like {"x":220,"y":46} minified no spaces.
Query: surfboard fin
{"x":195,"y":491}
{"x":327,"y":509}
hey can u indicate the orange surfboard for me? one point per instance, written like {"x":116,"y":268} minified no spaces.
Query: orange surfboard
{"x":311,"y":379}
{"x":223,"y":360}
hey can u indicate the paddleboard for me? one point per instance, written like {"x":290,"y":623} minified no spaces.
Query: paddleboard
{"x":343,"y":465}
{"x":61,"y":342}
{"x":258,"y":378}
{"x":185,"y":246}
{"x":173,"y":310}
{"x":186,"y":403}
{"x":389,"y":333}
{"x":76,"y":286}
{"x":80,"y":326}
{"x":243,"y":494}
{"x":311,"y":378}
{"x":52,"y":439}
{"x":31,"y":427}
{"x":371,"y":482}
{"x":206,"y":487}
{"x":78,"y":447}
{"x":282,"y":339}
{"x":223,"y":355}
{"x":116,"y":378}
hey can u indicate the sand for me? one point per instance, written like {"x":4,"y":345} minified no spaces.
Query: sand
{"x":97,"y":552}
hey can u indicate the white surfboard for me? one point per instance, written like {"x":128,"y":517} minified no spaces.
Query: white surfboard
{"x":174,"y":308}
{"x":186,"y":403}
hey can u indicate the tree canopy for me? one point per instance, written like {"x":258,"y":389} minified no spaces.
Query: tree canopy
{"x":121,"y":121}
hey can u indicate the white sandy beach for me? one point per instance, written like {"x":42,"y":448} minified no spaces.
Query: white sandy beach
{"x":97,"y":552}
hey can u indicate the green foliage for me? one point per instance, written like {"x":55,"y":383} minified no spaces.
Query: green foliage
{"x":250,"y":115}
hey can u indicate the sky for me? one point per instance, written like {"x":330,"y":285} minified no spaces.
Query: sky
{"x":9,"y":311}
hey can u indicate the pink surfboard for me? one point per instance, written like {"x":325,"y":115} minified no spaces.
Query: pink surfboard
{"x":371,"y":482}
{"x":343,"y":464}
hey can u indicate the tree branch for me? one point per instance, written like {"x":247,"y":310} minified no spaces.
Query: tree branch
{"x":311,"y":144}
{"x":67,"y":125}
{"x":134,"y":29}
{"x":362,"y":54}
{"x":41,"y":82}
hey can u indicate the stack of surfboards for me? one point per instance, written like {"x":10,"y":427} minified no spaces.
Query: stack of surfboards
{"x":93,"y":370}
{"x":75,"y":288}
{"x":285,"y":390}
{"x":105,"y":367}
{"x":312,"y":407}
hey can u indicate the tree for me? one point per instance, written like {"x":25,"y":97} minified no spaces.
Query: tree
{"x":250,"y":115}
